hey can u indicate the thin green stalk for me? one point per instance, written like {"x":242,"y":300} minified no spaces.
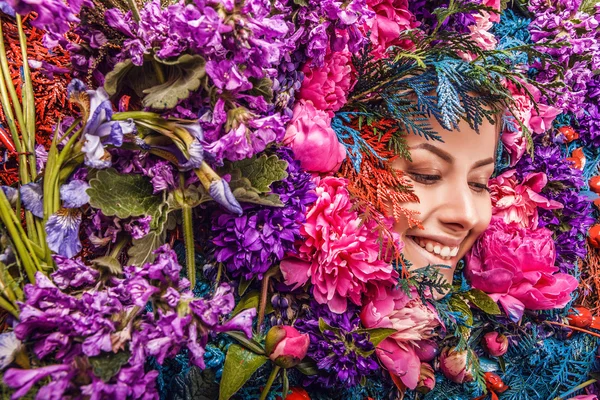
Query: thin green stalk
{"x":188,"y":236}
{"x":134,"y":9}
{"x":8,"y":84}
{"x":20,"y":248}
{"x":28,"y":101}
{"x":5,"y":304}
{"x":119,"y":246}
{"x":576,"y":388}
{"x":267,"y":389}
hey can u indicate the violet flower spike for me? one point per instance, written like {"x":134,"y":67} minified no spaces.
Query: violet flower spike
{"x":24,"y":379}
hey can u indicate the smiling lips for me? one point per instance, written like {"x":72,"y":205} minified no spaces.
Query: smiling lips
{"x":436,"y":248}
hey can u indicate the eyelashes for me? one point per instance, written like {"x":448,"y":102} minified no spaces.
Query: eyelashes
{"x":427,"y":179}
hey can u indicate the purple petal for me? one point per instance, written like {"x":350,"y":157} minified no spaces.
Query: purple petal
{"x":74,"y":195}
{"x":62,"y":232}
{"x":221,"y":193}
{"x":31,"y":196}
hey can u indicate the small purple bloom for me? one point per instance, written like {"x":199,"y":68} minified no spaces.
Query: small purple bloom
{"x":241,"y":322}
{"x":24,"y":379}
{"x":72,"y":273}
{"x":141,"y":291}
{"x":165,"y":265}
{"x":32,"y":198}
{"x":12,"y":194}
{"x":227,"y":76}
{"x":9,"y":346}
{"x":138,"y":227}
{"x":95,"y":344}
{"x":74,"y":195}
{"x":219,"y":190}
{"x":62,"y":232}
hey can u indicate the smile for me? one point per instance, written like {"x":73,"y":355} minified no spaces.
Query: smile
{"x":436,"y":248}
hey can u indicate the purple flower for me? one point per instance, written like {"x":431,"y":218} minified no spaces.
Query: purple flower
{"x":9,"y":346}
{"x":161,"y":175}
{"x":241,"y":322}
{"x":73,"y":194}
{"x":72,"y":273}
{"x":220,"y":192}
{"x":141,"y":290}
{"x":62,"y":232}
{"x":227,"y":76}
{"x":120,"y":21}
{"x":165,"y":267}
{"x":344,"y":356}
{"x":12,"y":194}
{"x":138,"y":227}
{"x":23,"y":379}
{"x":95,"y":344}
{"x":32,"y":198}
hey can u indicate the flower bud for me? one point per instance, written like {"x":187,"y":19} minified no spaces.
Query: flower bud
{"x":426,"y":350}
{"x":426,"y":379}
{"x":495,"y":344}
{"x":580,"y":317}
{"x":285,"y":346}
{"x":453,"y":364}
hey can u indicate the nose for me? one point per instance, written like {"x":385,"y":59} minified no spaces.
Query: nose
{"x":459,"y":210}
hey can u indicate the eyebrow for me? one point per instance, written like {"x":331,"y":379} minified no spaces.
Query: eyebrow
{"x":444,"y":155}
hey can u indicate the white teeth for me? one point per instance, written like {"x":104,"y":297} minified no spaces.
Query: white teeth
{"x":438,"y":249}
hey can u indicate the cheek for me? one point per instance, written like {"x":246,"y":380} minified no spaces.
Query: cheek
{"x":484,"y":213}
{"x":421,"y":208}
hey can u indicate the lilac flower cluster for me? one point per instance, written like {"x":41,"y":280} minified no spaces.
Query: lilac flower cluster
{"x":563,"y":22}
{"x":423,"y":11}
{"x":343,"y":354}
{"x":571,"y":223}
{"x":78,"y":317}
{"x":250,"y":244}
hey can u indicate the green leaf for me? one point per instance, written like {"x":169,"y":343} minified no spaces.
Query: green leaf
{"x":107,"y":365}
{"x":249,"y":344}
{"x":324,"y":326}
{"x":244,"y":285}
{"x":184,"y":76}
{"x":196,"y":385}
{"x":142,"y":250}
{"x":262,"y":171}
{"x":458,"y":305}
{"x":377,"y":335}
{"x":262,"y":87}
{"x":244,"y":192}
{"x":108,"y":263}
{"x":239,"y":366}
{"x":113,"y":79}
{"x":307,"y":367}
{"x":482,"y":301}
{"x":250,"y":300}
{"x":124,"y":195}
{"x":193,"y":196}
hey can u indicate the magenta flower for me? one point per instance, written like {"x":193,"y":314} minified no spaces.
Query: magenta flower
{"x":328,"y":85}
{"x":413,"y":321}
{"x":515,"y":266}
{"x":340,"y":254}
{"x":496,"y":344}
{"x":391,"y":18}
{"x":518,"y":203}
{"x":312,"y":139}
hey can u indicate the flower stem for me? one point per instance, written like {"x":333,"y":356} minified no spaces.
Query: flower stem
{"x":576,"y":388}
{"x":267,"y":389}
{"x":134,"y":9}
{"x":574,"y":328}
{"x":263,"y":297}
{"x":188,"y":236}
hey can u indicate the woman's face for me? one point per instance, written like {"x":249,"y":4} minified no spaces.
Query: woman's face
{"x":450,"y":179}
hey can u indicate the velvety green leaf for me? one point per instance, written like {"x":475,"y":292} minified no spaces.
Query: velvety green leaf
{"x":124,"y":195}
{"x":196,"y":385}
{"x":482,"y":301}
{"x":377,"y":335}
{"x":184,"y":76}
{"x":141,"y":250}
{"x":113,"y":79}
{"x":262,"y":87}
{"x":109,"y":264}
{"x":239,"y":366}
{"x":250,"y":300}
{"x":107,"y":365}
{"x":193,"y":196}
{"x":262,"y":171}
{"x":307,"y":367}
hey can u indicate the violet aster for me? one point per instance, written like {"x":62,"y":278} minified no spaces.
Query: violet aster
{"x":344,"y":355}
{"x":249,"y":244}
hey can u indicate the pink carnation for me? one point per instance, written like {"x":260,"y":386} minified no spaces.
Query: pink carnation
{"x":392,"y":17}
{"x":518,"y":202}
{"x":481,"y":35}
{"x":494,"y":17}
{"x":340,"y":254}
{"x":515,"y":266}
{"x":328,"y":85}
{"x":312,"y":140}
{"x":413,"y":321}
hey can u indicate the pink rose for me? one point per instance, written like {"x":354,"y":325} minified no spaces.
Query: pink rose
{"x":340,"y":254}
{"x":494,"y":17}
{"x":285,"y":346}
{"x":480,"y":34}
{"x":426,"y":379}
{"x":515,"y":266}
{"x":328,"y":85}
{"x":413,"y":322}
{"x":312,"y":140}
{"x":519,"y":202}
{"x":496,"y":344}
{"x":392,"y":17}
{"x":453,"y":364}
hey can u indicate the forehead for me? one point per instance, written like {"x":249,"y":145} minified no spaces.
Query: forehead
{"x":464,"y":143}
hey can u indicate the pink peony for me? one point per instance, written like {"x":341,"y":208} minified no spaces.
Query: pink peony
{"x":392,"y":17}
{"x":312,"y":140}
{"x":514,"y":142}
{"x":480,"y":31}
{"x":285,"y":346}
{"x":413,"y":321}
{"x":515,"y":266}
{"x":340,"y":254}
{"x":496,"y":344}
{"x":496,"y":4}
{"x":519,"y":202}
{"x":328,"y":85}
